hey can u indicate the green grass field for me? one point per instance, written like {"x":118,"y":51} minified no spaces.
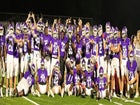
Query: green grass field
{"x":66,"y":100}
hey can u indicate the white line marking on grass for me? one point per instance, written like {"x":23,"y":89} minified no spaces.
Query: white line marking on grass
{"x":125,"y":100}
{"x":117,"y":103}
{"x":30,"y":100}
{"x":100,"y":104}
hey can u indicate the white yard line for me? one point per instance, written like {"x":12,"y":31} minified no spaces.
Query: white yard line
{"x":117,"y":103}
{"x":30,"y":100}
{"x":131,"y":101}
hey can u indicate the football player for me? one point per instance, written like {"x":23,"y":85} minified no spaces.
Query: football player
{"x":26,"y":84}
{"x":2,"y":58}
{"x":10,"y":40}
{"x":132,"y":76}
{"x":54,"y":81}
{"x":115,"y":49}
{"x":125,"y":43}
{"x":42,"y":79}
{"x":102,"y":85}
{"x":101,"y":45}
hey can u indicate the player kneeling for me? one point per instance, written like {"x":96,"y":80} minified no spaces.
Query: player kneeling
{"x":55,"y":80}
{"x":102,"y":85}
{"x":68,"y":80}
{"x":88,"y":79}
{"x":42,"y":80}
{"x":26,"y":83}
{"x":132,"y":76}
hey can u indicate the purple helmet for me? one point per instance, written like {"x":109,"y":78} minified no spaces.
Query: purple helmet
{"x":124,"y":32}
{"x":101,"y":71}
{"x":18,"y":26}
{"x":1,"y":26}
{"x":107,"y":24}
{"x":95,"y":27}
{"x":108,"y":27}
{"x":70,"y":29}
{"x":42,"y":61}
{"x":83,"y":62}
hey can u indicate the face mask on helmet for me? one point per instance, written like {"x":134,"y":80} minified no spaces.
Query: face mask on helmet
{"x":42,"y":65}
{"x":124,"y":32}
{"x":101,"y":71}
{"x":108,"y":27}
{"x":11,"y":31}
{"x":100,"y":30}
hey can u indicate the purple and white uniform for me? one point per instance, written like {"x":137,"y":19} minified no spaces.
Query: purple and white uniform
{"x":125,"y":49}
{"x":89,"y":80}
{"x":26,"y":82}
{"x":25,"y":50}
{"x":116,"y":56}
{"x":78,"y":52}
{"x":16,"y":54}
{"x":46,"y":48}
{"x":69,"y":79}
{"x":46,"y":43}
{"x":100,"y":52}
{"x":101,"y":82}
{"x":10,"y":52}
{"x":56,"y":78}
{"x":63,"y":46}
{"x":132,"y":69}
{"x":55,"y":53}
{"x":42,"y":76}
{"x":37,"y":55}
{"x":94,"y":46}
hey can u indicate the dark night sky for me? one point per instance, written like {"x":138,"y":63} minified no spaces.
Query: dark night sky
{"x":118,"y":12}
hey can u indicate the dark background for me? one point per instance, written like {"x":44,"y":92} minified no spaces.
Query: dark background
{"x":118,"y":12}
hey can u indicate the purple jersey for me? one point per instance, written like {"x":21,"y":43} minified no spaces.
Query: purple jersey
{"x":88,"y":48}
{"x":37,"y":41}
{"x":63,"y":46}
{"x":16,"y":45}
{"x":46,"y":43}
{"x":115,"y":43}
{"x":100,"y":46}
{"x":101,"y":82}
{"x":125,"y":44}
{"x":10,"y":45}
{"x":2,"y":43}
{"x":25,"y":47}
{"x":78,"y":50}
{"x":131,"y":67}
{"x":69,"y":78}
{"x":55,"y":47}
{"x":76,"y":76}
{"x":42,"y":76}
{"x":56,"y":78}
{"x":29,"y":77}
{"x":88,"y":76}
{"x":94,"y":45}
